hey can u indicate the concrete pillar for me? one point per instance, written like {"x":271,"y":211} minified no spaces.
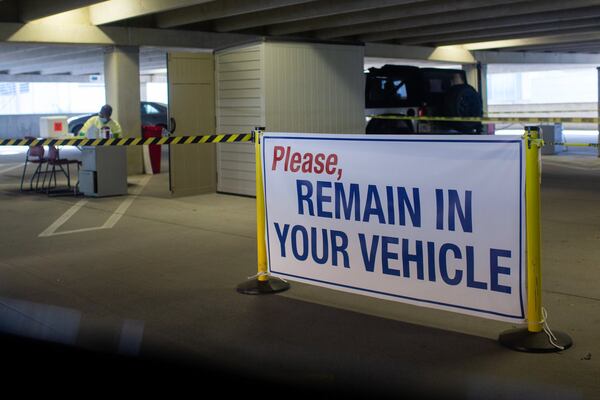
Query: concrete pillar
{"x":598,"y":141}
{"x":472,"y":77}
{"x":477,"y":77}
{"x":143,"y":91}
{"x":122,"y":83}
{"x":483,"y":89}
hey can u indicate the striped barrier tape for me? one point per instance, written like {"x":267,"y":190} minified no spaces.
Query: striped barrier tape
{"x":493,"y":119}
{"x":572,"y":144}
{"x":541,"y":112}
{"x":224,"y":138}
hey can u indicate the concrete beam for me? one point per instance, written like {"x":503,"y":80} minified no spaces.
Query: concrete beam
{"x":45,"y":78}
{"x":218,"y":10}
{"x":89,"y":66}
{"x":454,"y":54}
{"x":112,"y":35}
{"x":92,"y":67}
{"x":533,"y":41}
{"x":9,"y":11}
{"x":435,"y":14}
{"x":582,"y":47}
{"x":564,"y":47}
{"x":352,"y":24}
{"x":460,"y":55}
{"x":511,"y":57}
{"x":10,"y":50}
{"x":30,"y":10}
{"x":553,"y":28}
{"x":48,"y":55}
{"x":89,"y":69}
{"x":455,"y":23}
{"x":117,"y":10}
{"x":323,"y":8}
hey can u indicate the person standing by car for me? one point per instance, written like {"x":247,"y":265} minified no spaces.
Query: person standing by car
{"x":101,"y":125}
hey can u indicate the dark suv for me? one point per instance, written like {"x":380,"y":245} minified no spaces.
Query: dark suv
{"x":398,"y":90}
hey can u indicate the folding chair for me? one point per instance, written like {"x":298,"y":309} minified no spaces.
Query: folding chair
{"x":55,"y":161}
{"x":35,"y":155}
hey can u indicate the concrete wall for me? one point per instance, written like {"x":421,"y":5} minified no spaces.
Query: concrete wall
{"x":18,"y":126}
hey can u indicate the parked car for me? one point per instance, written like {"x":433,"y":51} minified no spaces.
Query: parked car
{"x":399,"y":90}
{"x":152,"y":113}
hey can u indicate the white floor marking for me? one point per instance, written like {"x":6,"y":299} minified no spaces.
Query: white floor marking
{"x":111,"y":222}
{"x":11,"y":168}
{"x":95,"y":228}
{"x":120,"y":211}
{"x":63,"y":218}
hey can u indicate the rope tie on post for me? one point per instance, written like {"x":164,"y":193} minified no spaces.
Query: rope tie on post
{"x":553,"y":340}
{"x":265,"y":274}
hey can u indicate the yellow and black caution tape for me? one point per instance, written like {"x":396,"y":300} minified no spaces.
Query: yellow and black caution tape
{"x":541,"y":112}
{"x":223,"y":138}
{"x":572,"y":144}
{"x":531,"y":120}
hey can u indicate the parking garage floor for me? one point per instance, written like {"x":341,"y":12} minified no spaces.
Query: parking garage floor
{"x":161,"y":281}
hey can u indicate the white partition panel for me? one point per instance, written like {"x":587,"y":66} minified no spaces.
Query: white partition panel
{"x":285,"y":87}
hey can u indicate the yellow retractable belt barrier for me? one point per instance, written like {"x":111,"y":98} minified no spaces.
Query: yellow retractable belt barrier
{"x":541,"y":111}
{"x":571,"y":144}
{"x":137,"y":141}
{"x":532,"y":201}
{"x":260,"y":214}
{"x":488,"y":119}
{"x":537,"y":337}
{"x":262,"y":282}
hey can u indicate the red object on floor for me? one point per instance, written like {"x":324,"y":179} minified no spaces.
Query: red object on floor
{"x":150,"y":131}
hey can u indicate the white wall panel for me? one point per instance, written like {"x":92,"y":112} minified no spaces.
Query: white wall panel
{"x":286,"y":87}
{"x":314,"y":88}
{"x":240,"y":108}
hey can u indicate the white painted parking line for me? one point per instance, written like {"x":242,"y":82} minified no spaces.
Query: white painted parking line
{"x":110,"y":222}
{"x":63,"y":218}
{"x":116,"y":216}
{"x":10,"y":168}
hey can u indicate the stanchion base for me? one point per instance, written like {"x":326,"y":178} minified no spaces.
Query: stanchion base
{"x":271,"y":285}
{"x":534,"y":342}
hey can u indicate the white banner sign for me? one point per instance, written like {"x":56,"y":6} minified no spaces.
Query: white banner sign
{"x":435,"y":221}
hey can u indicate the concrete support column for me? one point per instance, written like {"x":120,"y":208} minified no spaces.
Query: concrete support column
{"x":472,"y":77}
{"x":483,"y":86}
{"x":598,"y":141}
{"x":144,"y":91}
{"x":122,"y":83}
{"x":477,"y":77}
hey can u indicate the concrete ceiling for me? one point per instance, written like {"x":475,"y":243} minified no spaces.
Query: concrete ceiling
{"x":60,"y":60}
{"x":523,"y":26}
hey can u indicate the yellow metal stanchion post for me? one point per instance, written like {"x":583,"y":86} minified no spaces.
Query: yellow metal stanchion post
{"x":534,"y":338}
{"x":262,"y":282}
